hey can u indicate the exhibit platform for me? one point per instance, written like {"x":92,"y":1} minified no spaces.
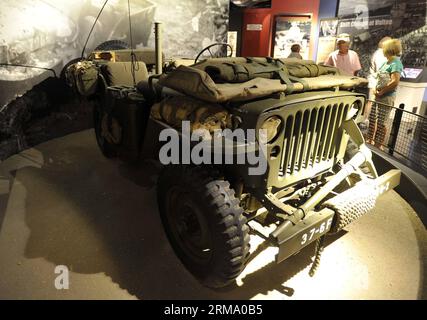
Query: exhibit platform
{"x":63,"y":203}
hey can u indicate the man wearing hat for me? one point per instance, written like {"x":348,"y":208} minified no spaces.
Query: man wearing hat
{"x":344,"y":59}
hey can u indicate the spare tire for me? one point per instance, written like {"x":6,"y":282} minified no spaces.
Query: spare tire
{"x":112,"y":45}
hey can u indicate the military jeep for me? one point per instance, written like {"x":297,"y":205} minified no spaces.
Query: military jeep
{"x":319,"y":174}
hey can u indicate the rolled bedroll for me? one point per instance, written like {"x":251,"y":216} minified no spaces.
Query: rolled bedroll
{"x":204,"y":82}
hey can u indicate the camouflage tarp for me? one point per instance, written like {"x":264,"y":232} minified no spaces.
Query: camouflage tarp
{"x":202,"y":115}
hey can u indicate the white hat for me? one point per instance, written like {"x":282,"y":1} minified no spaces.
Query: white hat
{"x":343,"y":37}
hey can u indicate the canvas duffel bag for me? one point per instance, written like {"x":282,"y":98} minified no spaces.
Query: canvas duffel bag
{"x":241,"y":70}
{"x":307,"y":68}
{"x":197,"y":83}
{"x":244,"y":69}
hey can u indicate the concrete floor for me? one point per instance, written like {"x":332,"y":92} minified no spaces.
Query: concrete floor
{"x":62,"y":203}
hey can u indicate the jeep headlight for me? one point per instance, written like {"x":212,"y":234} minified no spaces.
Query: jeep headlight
{"x":271,"y":127}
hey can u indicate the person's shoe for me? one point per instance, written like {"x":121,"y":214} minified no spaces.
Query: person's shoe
{"x":370,"y":141}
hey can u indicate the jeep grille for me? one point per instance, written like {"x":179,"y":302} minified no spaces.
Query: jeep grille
{"x":310,"y":137}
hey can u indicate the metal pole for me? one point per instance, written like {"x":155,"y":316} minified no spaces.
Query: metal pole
{"x":395,"y":129}
{"x":158,"y":47}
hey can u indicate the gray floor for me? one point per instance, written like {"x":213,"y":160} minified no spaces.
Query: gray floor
{"x":62,"y":203}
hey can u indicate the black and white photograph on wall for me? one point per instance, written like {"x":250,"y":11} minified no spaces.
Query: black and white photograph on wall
{"x":327,"y":38}
{"x":328,"y":27}
{"x":190,"y":26}
{"x":291,"y":30}
{"x":50,"y":33}
{"x":232,"y":41}
{"x":366,"y":8}
{"x":368,"y":21}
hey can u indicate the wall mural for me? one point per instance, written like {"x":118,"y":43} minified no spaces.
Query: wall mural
{"x":368,"y":21}
{"x":50,"y":33}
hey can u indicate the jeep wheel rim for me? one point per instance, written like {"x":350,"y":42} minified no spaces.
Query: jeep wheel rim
{"x":189,"y":226}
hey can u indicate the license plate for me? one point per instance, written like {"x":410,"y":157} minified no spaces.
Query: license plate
{"x":303,"y":233}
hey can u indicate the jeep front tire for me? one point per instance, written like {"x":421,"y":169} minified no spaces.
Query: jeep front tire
{"x":204,"y":223}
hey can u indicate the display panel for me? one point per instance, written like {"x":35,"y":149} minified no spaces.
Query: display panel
{"x":411,"y":73}
{"x":327,"y":38}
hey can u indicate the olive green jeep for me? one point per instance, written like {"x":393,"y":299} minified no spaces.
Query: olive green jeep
{"x":318,"y":174}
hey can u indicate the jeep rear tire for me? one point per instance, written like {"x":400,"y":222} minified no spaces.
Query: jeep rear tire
{"x":204,"y":223}
{"x":108,"y":149}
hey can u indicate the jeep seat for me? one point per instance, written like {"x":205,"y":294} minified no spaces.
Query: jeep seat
{"x":120,"y":73}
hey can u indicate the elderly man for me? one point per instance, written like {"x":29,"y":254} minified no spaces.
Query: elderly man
{"x":344,"y":59}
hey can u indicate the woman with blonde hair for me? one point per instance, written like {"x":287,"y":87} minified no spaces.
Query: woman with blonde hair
{"x":388,"y":78}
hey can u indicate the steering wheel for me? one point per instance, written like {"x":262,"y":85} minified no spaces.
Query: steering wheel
{"x":216,"y":55}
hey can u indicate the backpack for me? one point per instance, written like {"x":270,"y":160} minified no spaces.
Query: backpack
{"x":83,"y":75}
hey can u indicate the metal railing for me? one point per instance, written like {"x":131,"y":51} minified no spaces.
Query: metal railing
{"x":401,"y":133}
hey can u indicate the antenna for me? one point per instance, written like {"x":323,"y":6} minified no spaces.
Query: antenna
{"x":91,"y":30}
{"x":134,"y":66}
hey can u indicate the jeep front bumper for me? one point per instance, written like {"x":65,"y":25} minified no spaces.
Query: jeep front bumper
{"x":336,"y":213}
